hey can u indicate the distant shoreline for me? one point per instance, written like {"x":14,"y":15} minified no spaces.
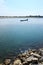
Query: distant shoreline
{"x":21,"y":16}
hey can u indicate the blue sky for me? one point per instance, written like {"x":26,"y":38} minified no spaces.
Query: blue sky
{"x":21,"y":7}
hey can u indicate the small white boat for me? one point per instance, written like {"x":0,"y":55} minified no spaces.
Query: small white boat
{"x":24,"y":20}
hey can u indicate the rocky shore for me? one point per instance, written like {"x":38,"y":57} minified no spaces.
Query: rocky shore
{"x":29,"y":57}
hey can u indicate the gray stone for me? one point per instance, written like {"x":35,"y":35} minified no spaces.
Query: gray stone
{"x":41,"y":59}
{"x":41,"y":51}
{"x":36,"y":55}
{"x":32,"y":59}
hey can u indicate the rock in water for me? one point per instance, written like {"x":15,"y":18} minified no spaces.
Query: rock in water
{"x":41,"y":51}
{"x":41,"y":59}
{"x":36,"y":55}
{"x":7,"y":61}
{"x":31,"y":58}
{"x":17,"y":62}
{"x":1,"y":64}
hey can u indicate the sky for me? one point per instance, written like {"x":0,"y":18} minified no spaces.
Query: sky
{"x":21,"y":7}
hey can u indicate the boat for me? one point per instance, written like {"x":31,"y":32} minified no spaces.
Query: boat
{"x":24,"y":20}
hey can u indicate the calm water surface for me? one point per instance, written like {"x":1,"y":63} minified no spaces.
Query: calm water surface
{"x":16,"y":36}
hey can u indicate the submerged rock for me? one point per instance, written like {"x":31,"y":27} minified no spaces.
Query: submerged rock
{"x":1,"y":64}
{"x":7,"y":61}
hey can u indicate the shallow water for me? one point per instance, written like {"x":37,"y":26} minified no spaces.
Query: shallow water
{"x":16,"y":36}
